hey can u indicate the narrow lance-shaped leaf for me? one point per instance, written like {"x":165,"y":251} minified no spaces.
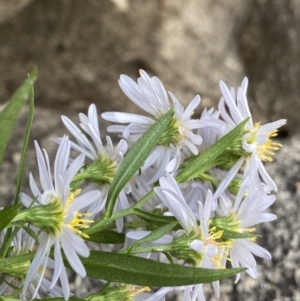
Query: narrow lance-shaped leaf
{"x":153,"y":218}
{"x":25,"y":145}
{"x":10,"y":113}
{"x":107,"y":237}
{"x":134,"y":270}
{"x":135,"y":159}
{"x":7,"y":215}
{"x":8,"y":238}
{"x":208,"y":157}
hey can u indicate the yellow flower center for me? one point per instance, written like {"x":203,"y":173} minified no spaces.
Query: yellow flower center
{"x":267,"y":150}
{"x":222,"y":247}
{"x":79,"y":221}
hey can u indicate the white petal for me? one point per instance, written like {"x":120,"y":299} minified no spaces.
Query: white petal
{"x":197,"y":245}
{"x":160,"y":165}
{"x":159,"y":294}
{"x":44,"y":172}
{"x":257,"y":250}
{"x":93,"y":117}
{"x":72,"y":256}
{"x":84,"y":200}
{"x":126,"y":118}
{"x":122,"y":147}
{"x":179,"y":208}
{"x":188,"y":112}
{"x":224,"y":114}
{"x":33,"y":186}
{"x":77,"y":243}
{"x":257,"y":219}
{"x":61,"y":160}
{"x":25,"y":199}
{"x":228,"y":178}
{"x":236,"y":115}
{"x":244,"y":84}
{"x":38,"y":262}
{"x":191,"y":146}
{"x":269,"y":127}
{"x":77,"y":133}
{"x":58,"y":263}
{"x":133,"y":92}
{"x":265,"y":176}
{"x":161,"y":93}
{"x":65,"y":284}
{"x":73,"y":169}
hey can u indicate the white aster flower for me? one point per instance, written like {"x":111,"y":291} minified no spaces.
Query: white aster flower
{"x":257,"y":141}
{"x":22,"y":243}
{"x":247,"y":212}
{"x":63,"y":229}
{"x":203,"y":242}
{"x":90,"y":126}
{"x":150,"y":95}
{"x":106,"y":159}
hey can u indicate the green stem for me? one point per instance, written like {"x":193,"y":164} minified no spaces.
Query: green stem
{"x":152,"y":249}
{"x":102,"y":223}
{"x":143,"y":200}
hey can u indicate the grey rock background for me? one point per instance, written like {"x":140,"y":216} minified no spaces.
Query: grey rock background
{"x":81,"y":48}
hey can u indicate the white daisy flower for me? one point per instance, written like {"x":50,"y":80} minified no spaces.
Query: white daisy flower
{"x":257,"y":141}
{"x":247,"y":212}
{"x":56,"y":210}
{"x":203,"y":242}
{"x":90,"y":126}
{"x":105,"y":160}
{"x":23,"y":243}
{"x":150,"y":95}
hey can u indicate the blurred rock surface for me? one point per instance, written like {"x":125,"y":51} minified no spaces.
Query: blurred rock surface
{"x":81,"y":48}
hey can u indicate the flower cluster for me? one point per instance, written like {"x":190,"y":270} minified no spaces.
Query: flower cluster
{"x":194,"y":200}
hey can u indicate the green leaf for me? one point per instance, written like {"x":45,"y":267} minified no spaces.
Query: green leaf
{"x":207,"y":159}
{"x":154,"y":219}
{"x":6,"y":247}
{"x":107,"y":237}
{"x":155,"y":235}
{"x":25,"y":145}
{"x":10,"y":113}
{"x":129,"y":269}
{"x":7,"y":215}
{"x":135,"y":159}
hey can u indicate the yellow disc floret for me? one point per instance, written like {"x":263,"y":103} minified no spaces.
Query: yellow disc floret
{"x":266,"y":150}
{"x":79,"y":221}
